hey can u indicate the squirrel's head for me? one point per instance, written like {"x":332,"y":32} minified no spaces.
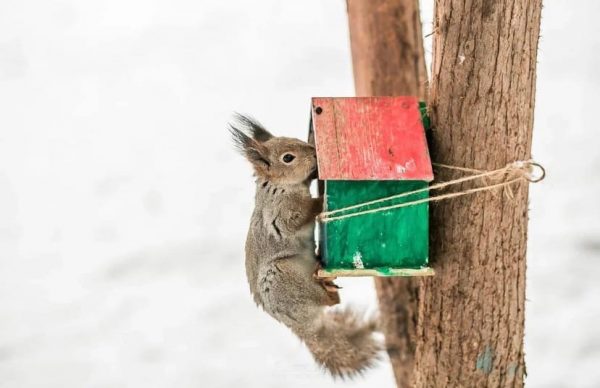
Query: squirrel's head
{"x":277,"y":159}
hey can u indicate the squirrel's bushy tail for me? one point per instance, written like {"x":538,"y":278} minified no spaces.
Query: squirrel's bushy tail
{"x":342,"y":342}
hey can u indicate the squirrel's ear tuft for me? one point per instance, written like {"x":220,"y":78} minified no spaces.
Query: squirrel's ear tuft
{"x":240,"y":140}
{"x":256,"y":129}
{"x":255,"y":152}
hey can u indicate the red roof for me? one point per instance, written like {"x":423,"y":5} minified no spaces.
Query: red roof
{"x":370,"y":138}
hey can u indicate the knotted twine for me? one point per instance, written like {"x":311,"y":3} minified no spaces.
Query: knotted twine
{"x":522,"y":170}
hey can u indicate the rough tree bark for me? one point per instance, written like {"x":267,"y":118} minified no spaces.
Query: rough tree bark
{"x":388,"y":59}
{"x":471,"y":315}
{"x":467,"y":330}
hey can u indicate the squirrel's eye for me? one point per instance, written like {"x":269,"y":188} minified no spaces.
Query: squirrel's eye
{"x":287,"y":158}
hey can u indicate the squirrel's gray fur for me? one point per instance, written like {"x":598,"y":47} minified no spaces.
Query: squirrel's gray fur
{"x":280,"y":253}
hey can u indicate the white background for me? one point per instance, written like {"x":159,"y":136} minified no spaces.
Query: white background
{"x":123,"y":207}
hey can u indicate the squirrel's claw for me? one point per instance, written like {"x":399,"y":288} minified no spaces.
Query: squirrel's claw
{"x":331,"y":286}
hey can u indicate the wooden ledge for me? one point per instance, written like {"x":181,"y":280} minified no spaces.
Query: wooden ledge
{"x":382,"y":272}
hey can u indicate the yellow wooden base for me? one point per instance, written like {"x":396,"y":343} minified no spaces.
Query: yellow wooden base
{"x":383,"y":272}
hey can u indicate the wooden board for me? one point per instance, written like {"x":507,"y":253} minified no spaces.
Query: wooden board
{"x":382,"y":272}
{"x":370,"y":138}
{"x":397,"y":238}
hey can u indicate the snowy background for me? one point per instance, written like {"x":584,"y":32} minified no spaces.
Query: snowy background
{"x":123,"y":208}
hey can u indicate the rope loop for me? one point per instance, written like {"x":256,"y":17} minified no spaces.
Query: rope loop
{"x":521,"y":170}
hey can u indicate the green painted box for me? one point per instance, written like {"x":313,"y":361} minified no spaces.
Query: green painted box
{"x":369,"y":149}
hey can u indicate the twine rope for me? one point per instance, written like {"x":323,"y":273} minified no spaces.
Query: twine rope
{"x":522,"y":170}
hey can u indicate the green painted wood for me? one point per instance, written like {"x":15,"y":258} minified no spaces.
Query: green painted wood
{"x":392,"y":239}
{"x":424,"y":117}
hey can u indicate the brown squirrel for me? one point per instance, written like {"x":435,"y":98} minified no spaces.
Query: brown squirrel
{"x":280,"y":253}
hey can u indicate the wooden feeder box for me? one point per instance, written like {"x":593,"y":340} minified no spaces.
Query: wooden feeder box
{"x":370,"y":148}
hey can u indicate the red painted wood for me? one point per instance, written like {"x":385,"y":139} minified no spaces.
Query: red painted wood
{"x":370,"y":138}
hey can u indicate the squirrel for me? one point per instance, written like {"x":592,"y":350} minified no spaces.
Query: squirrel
{"x":281,"y":261}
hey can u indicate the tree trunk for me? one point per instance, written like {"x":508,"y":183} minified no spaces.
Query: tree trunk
{"x":467,"y":330}
{"x":388,"y":59}
{"x":471,"y":314}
